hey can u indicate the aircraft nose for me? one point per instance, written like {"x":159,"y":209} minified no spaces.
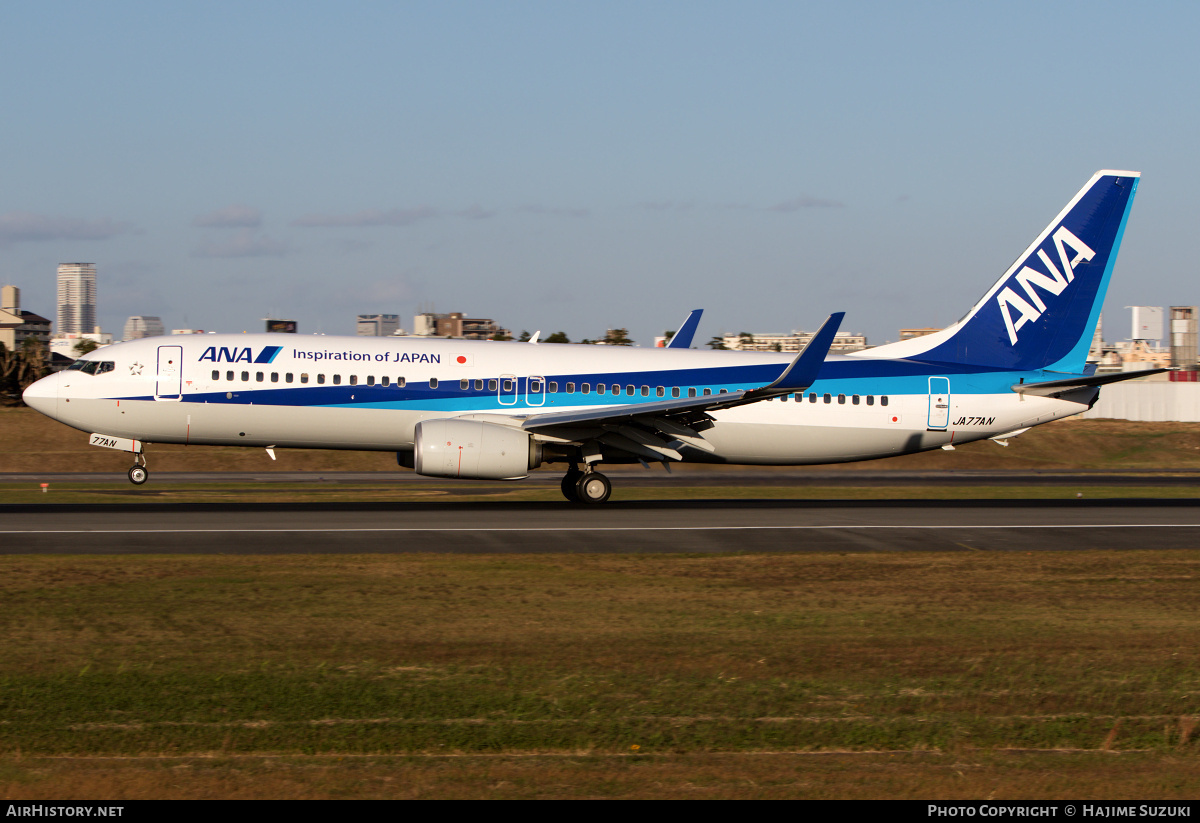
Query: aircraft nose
{"x":43,"y":395}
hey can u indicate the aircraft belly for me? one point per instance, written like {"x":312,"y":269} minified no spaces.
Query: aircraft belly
{"x":781,"y":444}
{"x":217,"y":424}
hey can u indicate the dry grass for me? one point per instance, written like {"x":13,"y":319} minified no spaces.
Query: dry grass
{"x":964,"y":775}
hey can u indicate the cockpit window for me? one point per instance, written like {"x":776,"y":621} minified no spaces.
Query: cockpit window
{"x":92,"y":366}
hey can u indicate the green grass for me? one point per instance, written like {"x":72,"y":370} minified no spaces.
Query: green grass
{"x":916,"y":675}
{"x":368,"y":655}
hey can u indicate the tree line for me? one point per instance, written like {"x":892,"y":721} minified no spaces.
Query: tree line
{"x":20,"y":367}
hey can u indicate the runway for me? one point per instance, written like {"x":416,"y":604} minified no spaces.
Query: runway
{"x":687,"y":475}
{"x":706,"y":526}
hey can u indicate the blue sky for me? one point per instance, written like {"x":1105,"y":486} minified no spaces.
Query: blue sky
{"x":578,"y":166}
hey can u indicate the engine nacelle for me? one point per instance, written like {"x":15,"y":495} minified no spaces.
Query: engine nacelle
{"x":450,"y":447}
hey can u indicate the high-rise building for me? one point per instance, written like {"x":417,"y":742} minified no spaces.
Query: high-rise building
{"x":76,"y":298}
{"x":139,"y":326}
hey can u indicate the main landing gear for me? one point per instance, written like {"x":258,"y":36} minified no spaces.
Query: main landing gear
{"x":585,"y":487}
{"x":138,"y":474}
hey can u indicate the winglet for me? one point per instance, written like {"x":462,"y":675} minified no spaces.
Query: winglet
{"x":683,"y":337}
{"x":802,"y":372}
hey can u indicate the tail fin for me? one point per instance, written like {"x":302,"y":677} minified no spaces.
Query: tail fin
{"x":1042,"y":313}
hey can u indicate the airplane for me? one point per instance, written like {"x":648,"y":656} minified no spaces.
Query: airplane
{"x":497,"y":410}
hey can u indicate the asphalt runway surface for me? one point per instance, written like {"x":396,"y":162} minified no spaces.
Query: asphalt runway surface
{"x":690,"y":475}
{"x":696,"y":526}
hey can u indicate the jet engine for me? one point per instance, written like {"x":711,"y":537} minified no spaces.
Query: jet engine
{"x":450,"y":447}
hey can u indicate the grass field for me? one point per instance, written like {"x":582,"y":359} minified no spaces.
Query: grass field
{"x":937,"y":675}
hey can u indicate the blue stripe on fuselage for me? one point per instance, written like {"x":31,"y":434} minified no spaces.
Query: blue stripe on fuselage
{"x":838,"y":376}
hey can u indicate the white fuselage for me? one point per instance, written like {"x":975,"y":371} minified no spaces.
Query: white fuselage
{"x":370,"y":393}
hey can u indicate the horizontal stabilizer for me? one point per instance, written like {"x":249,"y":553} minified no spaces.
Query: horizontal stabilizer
{"x":1052,"y":388}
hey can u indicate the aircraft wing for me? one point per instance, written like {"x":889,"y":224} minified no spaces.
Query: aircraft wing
{"x":658,"y":429}
{"x":683,"y":337}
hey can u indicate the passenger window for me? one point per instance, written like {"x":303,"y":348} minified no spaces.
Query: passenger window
{"x":854,"y":399}
{"x":553,"y":385}
{"x":370,"y":380}
{"x":354,"y":380}
{"x":842,"y":399}
{"x":599,"y":388}
{"x":629,"y":390}
{"x":216,"y":375}
{"x":464,"y":384}
{"x":508,"y":385}
{"x":385,"y":381}
{"x":674,"y":391}
{"x":287,"y":378}
{"x":662,"y":392}
{"x":304,"y":377}
{"x":870,"y":400}
{"x":570,"y":388}
{"x":337,"y":380}
{"x":258,"y":377}
{"x":587,"y":388}
{"x":535,"y":386}
{"x":707,"y":392}
{"x":274,"y":377}
{"x":828,"y":399}
{"x":799,"y":397}
{"x":645,"y":391}
{"x":433,"y":382}
{"x":245,"y":377}
{"x":400,"y":382}
{"x":492,"y":384}
{"x":883,"y":400}
{"x":812,"y":397}
{"x":692,"y":391}
{"x":321,"y":378}
{"x":724,"y":391}
{"x":228,"y":375}
{"x":479,"y":385}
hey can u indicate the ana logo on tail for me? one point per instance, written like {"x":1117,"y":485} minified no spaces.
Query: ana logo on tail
{"x":1053,"y":282}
